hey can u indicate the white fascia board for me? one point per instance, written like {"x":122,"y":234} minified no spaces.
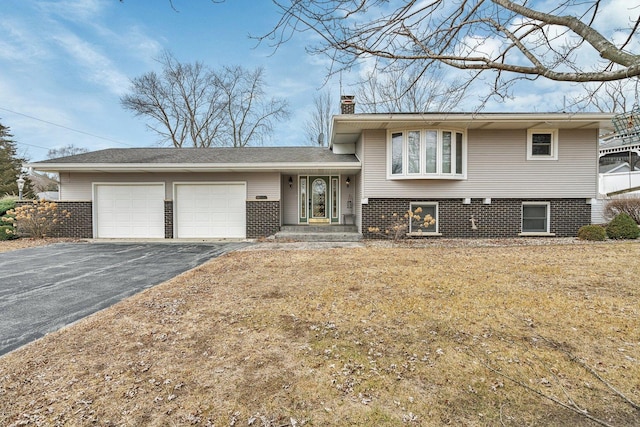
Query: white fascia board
{"x":188,"y":167}
{"x":385,"y":121}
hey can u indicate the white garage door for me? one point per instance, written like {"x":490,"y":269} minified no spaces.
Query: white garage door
{"x":129,"y":211}
{"x":211,"y":210}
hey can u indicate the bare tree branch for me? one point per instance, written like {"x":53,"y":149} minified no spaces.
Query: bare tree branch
{"x":507,"y":37}
{"x":318,"y":126}
{"x":192,"y":105}
{"x":409,"y":90}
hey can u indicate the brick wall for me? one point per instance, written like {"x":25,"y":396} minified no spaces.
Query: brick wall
{"x":501,"y":218}
{"x":263,"y":218}
{"x":168,"y":219}
{"x":78,"y":225}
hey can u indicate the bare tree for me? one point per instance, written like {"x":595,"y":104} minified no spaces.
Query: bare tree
{"x":193,"y":105}
{"x":617,"y":97}
{"x":67,"y":150}
{"x":558,"y":41}
{"x":404,"y":91}
{"x":249,"y":114}
{"x":318,"y":126}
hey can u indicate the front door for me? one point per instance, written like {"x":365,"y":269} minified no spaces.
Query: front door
{"x":319,"y":199}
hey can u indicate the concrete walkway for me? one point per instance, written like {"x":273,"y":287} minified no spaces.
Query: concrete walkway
{"x":45,"y":288}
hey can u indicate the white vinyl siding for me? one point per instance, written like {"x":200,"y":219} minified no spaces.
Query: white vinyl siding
{"x":496,"y":167}
{"x":290,"y":199}
{"x":76,"y":186}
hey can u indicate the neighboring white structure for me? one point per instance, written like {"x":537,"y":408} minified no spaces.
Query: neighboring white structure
{"x":617,"y":179}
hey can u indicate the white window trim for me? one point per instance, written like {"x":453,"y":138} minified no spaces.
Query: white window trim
{"x":423,"y":174}
{"x":554,"y":144}
{"x":437,"y":224}
{"x":536,"y":233}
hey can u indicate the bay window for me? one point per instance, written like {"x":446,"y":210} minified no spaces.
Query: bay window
{"x":426,"y":154}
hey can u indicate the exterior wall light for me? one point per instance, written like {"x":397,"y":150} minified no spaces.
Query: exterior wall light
{"x":20,"y":181}
{"x":348,"y":182}
{"x":290,"y":182}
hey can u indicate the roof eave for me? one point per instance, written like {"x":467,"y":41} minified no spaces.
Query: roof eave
{"x":349,"y":126}
{"x":188,"y":167}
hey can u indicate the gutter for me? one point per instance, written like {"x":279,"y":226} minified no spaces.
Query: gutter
{"x":190,"y":167}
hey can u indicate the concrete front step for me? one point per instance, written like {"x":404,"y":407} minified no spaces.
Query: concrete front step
{"x":319,"y":236}
{"x":319,"y":233}
{"x":336,"y":228}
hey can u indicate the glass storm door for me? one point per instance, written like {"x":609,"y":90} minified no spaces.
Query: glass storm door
{"x":319,"y":199}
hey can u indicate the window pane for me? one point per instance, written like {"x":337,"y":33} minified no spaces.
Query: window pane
{"x":446,"y":152}
{"x":334,"y":198}
{"x":432,"y":151}
{"x":396,"y":153}
{"x":534,"y":218}
{"x":534,"y":225}
{"x":417,"y":223}
{"x":541,"y":144}
{"x":303,"y":197}
{"x":414,"y":152}
{"x":458,"y":153}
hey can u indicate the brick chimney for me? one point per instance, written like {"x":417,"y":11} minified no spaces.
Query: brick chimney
{"x":347,"y":104}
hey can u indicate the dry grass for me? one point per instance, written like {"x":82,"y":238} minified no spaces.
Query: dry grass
{"x":373,"y":336}
{"x":28,"y":242}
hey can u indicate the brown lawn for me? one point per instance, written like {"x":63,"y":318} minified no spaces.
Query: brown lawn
{"x":26,"y":242}
{"x":520,"y":335}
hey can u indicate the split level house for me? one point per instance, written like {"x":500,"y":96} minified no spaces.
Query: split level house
{"x":478,"y":175}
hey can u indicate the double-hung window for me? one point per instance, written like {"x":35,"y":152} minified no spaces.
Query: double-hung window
{"x":542,"y":144}
{"x":426,"y":154}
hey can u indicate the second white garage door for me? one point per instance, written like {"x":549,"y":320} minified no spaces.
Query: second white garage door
{"x":211,"y":210}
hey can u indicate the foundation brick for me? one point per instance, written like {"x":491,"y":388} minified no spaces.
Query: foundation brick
{"x":502,"y":218}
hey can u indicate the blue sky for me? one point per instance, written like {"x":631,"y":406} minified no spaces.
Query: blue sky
{"x":65,"y":63}
{"x":68,"y":62}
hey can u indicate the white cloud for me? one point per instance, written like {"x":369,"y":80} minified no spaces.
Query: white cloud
{"x":97,"y":67}
{"x":18,"y":42}
{"x":615,"y":15}
{"x":79,"y":11}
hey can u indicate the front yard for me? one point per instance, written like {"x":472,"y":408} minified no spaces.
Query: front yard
{"x":518,"y":335}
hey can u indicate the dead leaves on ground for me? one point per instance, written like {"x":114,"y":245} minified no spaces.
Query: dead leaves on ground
{"x":389,"y":336}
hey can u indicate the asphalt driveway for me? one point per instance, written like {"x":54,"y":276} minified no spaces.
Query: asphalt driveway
{"x":45,"y":288}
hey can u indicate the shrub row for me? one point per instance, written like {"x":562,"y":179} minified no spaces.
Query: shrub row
{"x":622,"y":226}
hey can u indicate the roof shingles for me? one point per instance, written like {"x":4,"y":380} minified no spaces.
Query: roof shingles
{"x":218,"y":155}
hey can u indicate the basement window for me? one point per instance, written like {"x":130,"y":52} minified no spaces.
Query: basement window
{"x":536,"y":219}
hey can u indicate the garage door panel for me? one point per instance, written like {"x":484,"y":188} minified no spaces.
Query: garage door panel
{"x":129,"y":211}
{"x":211,"y":210}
